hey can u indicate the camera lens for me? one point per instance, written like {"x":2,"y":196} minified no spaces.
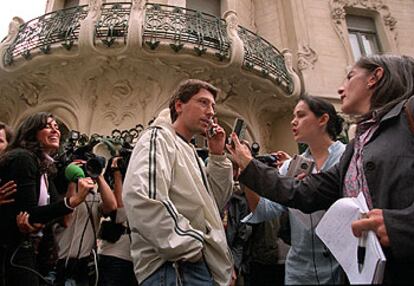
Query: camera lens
{"x":94,"y":166}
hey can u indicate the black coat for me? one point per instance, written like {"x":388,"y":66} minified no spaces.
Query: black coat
{"x":388,"y":162}
{"x":22,"y":166}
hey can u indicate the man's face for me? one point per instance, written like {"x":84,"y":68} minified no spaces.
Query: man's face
{"x":195,"y":115}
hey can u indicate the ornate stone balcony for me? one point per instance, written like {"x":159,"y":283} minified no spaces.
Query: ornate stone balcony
{"x":135,"y":53}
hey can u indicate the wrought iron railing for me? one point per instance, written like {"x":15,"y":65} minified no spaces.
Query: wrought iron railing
{"x":263,"y":57}
{"x":40,"y":33}
{"x":179,"y":27}
{"x":182,"y":26}
{"x":113,"y":23}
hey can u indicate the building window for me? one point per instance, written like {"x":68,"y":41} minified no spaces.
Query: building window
{"x":362,"y":36}
{"x":70,"y":3}
{"x":211,"y":7}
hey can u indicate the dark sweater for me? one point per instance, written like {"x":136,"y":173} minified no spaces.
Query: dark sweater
{"x":22,"y":166}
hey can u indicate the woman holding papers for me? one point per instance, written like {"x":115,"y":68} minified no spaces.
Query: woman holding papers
{"x":377,"y":163}
{"x":315,"y":123}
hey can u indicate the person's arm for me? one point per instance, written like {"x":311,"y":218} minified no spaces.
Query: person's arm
{"x":152,"y":215}
{"x":220,"y":177}
{"x":108,"y":198}
{"x":261,"y":208}
{"x":252,"y":199}
{"x":315,"y":192}
{"x":117,"y":182}
{"x":219,"y":168}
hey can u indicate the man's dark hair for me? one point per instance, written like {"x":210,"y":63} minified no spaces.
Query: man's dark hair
{"x":186,"y":90}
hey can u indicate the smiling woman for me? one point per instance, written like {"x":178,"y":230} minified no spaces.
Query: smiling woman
{"x":27,"y":161}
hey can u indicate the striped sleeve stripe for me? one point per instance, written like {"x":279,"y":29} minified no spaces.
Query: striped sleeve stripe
{"x":177,"y":228}
{"x":152,"y":164}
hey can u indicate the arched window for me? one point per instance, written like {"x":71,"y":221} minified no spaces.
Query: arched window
{"x":210,"y":7}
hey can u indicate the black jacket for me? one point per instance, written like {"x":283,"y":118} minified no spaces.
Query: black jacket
{"x":389,"y":167}
{"x":22,"y":166}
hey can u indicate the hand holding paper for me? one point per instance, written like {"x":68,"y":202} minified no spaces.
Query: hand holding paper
{"x":335,"y":231}
{"x":374,"y":221}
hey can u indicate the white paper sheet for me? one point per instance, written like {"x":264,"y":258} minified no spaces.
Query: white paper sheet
{"x":335,"y":231}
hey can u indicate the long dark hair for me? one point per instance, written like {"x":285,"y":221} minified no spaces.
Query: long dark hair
{"x":397,"y":82}
{"x":319,"y":107}
{"x":26,"y":138}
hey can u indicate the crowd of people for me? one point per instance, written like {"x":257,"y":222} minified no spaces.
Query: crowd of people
{"x":176,"y":219}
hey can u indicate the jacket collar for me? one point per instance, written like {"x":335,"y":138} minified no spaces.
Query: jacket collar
{"x":395,"y":111}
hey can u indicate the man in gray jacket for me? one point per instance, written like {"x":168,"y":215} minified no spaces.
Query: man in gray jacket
{"x":172,"y":200}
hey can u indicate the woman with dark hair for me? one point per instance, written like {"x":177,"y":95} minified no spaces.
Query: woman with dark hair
{"x":9,"y":188}
{"x":378,"y":163}
{"x":28,"y":162}
{"x":315,"y":123}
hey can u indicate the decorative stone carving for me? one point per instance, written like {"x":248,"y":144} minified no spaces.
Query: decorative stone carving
{"x":232,"y":21}
{"x":297,"y":85}
{"x":94,"y":7}
{"x":306,"y":57}
{"x":338,"y":18}
{"x":13,"y":31}
{"x":29,"y":92}
{"x":138,"y":4}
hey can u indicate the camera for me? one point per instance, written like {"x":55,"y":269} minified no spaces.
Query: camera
{"x":299,"y":165}
{"x":268,"y":159}
{"x":79,"y":147}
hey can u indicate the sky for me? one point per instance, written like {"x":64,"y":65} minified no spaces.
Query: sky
{"x":25,"y":9}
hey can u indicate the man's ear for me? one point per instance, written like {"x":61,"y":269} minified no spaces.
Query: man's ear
{"x":178,"y":106}
{"x":375,"y":76}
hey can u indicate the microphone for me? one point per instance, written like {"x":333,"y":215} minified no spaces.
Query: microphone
{"x":73,"y":173}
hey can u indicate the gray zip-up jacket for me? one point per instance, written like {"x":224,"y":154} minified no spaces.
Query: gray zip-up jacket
{"x":172,"y":202}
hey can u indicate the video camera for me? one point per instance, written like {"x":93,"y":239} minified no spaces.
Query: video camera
{"x":79,"y":147}
{"x":268,"y":159}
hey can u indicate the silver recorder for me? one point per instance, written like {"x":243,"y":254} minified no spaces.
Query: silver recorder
{"x":299,"y":165}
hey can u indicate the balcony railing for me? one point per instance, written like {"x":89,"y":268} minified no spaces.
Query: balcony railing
{"x":263,"y":57}
{"x":113,"y":23}
{"x":40,"y":33}
{"x":168,"y":26}
{"x":182,"y":26}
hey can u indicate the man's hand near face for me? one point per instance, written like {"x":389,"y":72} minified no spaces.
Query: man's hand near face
{"x":217,"y":142}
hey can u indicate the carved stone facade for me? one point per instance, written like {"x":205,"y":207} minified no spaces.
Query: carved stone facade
{"x":114,"y":66}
